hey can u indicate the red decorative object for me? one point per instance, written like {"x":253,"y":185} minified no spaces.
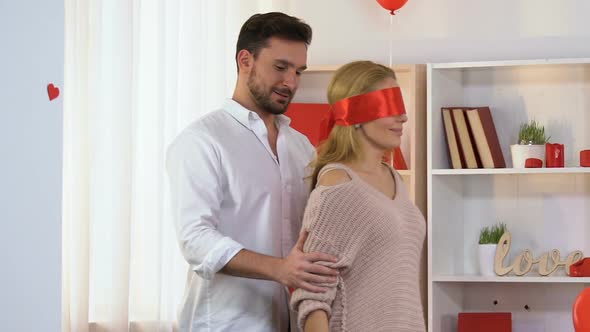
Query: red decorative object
{"x":554,"y":155}
{"x":52,"y":91}
{"x":395,"y":158}
{"x":580,"y":311}
{"x":312,"y":121}
{"x":365,"y":107}
{"x":309,"y":119}
{"x":533,"y":163}
{"x":392,"y":5}
{"x":585,"y":158}
{"x":580,"y":268}
{"x":485,"y":322}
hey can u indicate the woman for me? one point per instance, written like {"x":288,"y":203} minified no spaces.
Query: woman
{"x":360,"y":212}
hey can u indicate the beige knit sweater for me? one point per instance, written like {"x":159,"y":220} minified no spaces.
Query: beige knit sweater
{"x":379,"y":242}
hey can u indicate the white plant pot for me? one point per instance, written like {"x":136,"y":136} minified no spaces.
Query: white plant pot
{"x":487,"y":253}
{"x":520,"y":153}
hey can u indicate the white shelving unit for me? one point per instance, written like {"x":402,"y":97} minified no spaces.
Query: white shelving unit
{"x":544,"y":209}
{"x":412,"y":81}
{"x":523,"y":279}
{"x":512,"y":171}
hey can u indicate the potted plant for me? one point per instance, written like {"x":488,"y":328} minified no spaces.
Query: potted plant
{"x":488,"y":242}
{"x":531,"y":144}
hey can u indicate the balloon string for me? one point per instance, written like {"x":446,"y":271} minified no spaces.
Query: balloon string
{"x":390,"y":41}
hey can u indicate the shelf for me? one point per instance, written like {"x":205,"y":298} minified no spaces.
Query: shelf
{"x":321,"y":68}
{"x":544,"y":208}
{"x":512,"y":171}
{"x":404,"y":172}
{"x":412,"y":81}
{"x":332,"y":68}
{"x":467,"y":65}
{"x":509,"y":279}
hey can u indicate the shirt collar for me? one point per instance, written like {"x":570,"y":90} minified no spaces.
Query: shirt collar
{"x":247,"y":117}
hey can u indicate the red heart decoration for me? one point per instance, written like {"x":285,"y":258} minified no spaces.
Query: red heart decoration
{"x":52,"y":91}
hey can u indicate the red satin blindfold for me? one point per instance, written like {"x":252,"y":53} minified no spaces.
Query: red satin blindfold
{"x":366,"y":107}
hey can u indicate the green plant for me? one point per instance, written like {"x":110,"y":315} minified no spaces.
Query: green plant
{"x":532,"y":133}
{"x":492,"y":235}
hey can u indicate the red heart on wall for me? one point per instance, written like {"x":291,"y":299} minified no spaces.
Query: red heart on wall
{"x":52,"y":91}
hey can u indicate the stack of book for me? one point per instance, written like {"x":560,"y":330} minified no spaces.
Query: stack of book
{"x":471,"y":138}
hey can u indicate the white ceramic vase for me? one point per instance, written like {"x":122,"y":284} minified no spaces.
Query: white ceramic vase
{"x":487,"y":253}
{"x":520,"y":153}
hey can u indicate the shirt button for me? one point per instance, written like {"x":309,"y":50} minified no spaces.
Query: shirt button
{"x":288,"y":188}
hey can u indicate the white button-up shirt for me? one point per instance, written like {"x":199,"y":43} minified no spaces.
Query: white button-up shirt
{"x":230,"y":192}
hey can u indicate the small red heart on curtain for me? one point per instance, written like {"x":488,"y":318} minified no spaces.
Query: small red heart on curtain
{"x":52,"y":91}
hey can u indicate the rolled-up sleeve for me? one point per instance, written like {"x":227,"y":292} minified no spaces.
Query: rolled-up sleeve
{"x":196,"y":188}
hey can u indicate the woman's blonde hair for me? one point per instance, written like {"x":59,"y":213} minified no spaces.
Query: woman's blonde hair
{"x":343,"y":145}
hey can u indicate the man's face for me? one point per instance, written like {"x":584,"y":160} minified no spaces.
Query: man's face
{"x":275,"y":74}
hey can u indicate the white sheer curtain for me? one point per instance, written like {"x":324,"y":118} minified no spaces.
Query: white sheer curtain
{"x":136,"y":73}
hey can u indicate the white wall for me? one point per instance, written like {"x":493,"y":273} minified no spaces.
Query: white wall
{"x":31,"y":56}
{"x":445,"y":30}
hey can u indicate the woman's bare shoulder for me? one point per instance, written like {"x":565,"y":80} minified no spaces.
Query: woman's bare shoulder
{"x":334,"y":177}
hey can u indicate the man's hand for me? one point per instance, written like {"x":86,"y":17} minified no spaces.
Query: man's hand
{"x":300,"y":270}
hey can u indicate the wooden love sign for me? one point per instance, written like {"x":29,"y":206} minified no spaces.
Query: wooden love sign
{"x":523,"y":263}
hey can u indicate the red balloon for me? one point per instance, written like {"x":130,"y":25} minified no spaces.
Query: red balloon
{"x":392,"y":5}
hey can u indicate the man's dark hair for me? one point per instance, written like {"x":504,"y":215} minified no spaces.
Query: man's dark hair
{"x":259,"y":28}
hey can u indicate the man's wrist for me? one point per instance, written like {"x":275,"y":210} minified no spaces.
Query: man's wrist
{"x":275,"y":269}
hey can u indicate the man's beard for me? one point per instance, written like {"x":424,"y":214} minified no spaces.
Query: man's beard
{"x":263,"y":97}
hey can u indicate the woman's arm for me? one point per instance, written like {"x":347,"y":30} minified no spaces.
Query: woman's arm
{"x":329,"y":233}
{"x":317,"y":321}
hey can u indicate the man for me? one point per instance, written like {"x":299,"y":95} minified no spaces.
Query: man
{"x":237,"y":179}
